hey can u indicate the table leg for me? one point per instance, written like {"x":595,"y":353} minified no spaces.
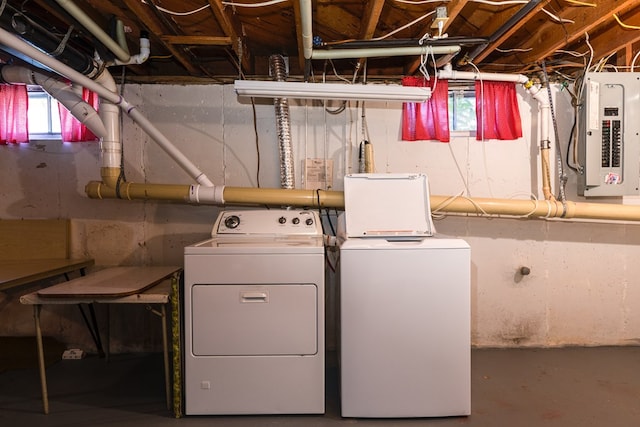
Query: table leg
{"x":43,"y":373}
{"x":93,"y":327}
{"x":165,"y":349}
{"x":165,"y":345}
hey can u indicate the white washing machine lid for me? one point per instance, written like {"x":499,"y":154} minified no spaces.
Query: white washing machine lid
{"x":387,"y":204}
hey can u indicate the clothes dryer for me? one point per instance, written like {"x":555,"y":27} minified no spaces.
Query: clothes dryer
{"x":254,"y":315}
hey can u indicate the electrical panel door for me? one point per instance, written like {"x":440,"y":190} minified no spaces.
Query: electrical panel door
{"x":609,"y":135}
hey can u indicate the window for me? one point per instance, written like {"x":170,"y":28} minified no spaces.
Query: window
{"x":462,"y":109}
{"x":44,"y":119}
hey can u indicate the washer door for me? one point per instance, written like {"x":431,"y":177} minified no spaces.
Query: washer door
{"x":254,"y":320}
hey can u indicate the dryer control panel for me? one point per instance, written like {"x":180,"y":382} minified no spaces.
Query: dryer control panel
{"x":268,"y":222}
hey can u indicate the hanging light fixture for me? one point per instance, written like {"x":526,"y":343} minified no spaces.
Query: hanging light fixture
{"x":338,"y":91}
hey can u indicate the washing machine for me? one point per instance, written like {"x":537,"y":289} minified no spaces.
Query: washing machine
{"x":254,"y":315}
{"x":405,"y":341}
{"x":405,"y":347}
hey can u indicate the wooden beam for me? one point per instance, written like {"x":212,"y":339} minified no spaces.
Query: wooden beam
{"x":369,"y":23}
{"x":552,"y":37}
{"x":153,"y":25}
{"x":498,"y":42}
{"x":231,"y":28}
{"x":453,"y":10}
{"x":197,"y":40}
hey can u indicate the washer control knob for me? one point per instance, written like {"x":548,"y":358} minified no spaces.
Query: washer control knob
{"x":232,"y":221}
{"x":282,"y":220}
{"x":296,"y":220}
{"x":309,"y":221}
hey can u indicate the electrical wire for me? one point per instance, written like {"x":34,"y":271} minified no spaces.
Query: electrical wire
{"x":633,"y":62}
{"x":417,"y":2}
{"x":257,"y":135}
{"x":262,"y":4}
{"x":586,"y":40}
{"x":170,"y":12}
{"x":514,"y":50}
{"x":623,"y":25}
{"x":397,"y":30}
{"x":562,"y":177}
{"x":581,"y":3}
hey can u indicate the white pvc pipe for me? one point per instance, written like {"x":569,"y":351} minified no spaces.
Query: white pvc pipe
{"x":467,"y":75}
{"x":145,"y":51}
{"x":384,"y":52}
{"x":94,"y":29}
{"x":306,"y":19}
{"x":307,"y":28}
{"x":14,"y":42}
{"x":60,"y":91}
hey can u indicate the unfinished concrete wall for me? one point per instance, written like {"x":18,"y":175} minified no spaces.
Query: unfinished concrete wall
{"x":581,"y":287}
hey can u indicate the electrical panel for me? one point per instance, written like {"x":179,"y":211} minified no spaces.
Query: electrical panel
{"x":609,"y":135}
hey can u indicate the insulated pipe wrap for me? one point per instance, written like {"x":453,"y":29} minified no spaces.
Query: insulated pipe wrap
{"x":278,"y":70}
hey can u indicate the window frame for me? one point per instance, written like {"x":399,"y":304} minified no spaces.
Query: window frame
{"x":33,"y":92}
{"x":468,"y":91}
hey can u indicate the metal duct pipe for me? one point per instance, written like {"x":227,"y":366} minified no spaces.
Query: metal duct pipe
{"x":278,"y":69}
{"x":12,"y":20}
{"x":9,"y":40}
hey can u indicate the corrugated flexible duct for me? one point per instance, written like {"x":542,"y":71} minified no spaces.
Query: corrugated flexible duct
{"x":278,"y":69}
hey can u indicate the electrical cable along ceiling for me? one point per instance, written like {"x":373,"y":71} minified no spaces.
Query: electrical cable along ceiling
{"x":221,"y":41}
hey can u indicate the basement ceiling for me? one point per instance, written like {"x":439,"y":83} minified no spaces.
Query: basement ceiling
{"x":219,"y":41}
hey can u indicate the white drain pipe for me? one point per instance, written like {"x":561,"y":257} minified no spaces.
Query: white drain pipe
{"x":59,"y":90}
{"x":306,"y":23}
{"x":543,"y":113}
{"x":94,"y":29}
{"x":111,"y":96}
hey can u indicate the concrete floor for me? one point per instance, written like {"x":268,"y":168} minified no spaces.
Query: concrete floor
{"x":515,"y":387}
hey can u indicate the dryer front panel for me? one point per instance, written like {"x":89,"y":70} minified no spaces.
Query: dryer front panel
{"x":254,"y":320}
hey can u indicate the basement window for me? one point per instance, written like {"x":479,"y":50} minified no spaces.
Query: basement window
{"x":462,"y":110}
{"x":43,"y":116}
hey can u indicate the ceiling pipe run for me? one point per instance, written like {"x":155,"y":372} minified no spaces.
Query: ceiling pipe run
{"x":306,"y":18}
{"x":207,"y":193}
{"x":481,"y":207}
{"x":94,"y":29}
{"x":12,"y":42}
{"x":14,"y":22}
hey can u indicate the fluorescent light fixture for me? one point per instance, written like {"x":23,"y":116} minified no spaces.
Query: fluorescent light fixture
{"x":372,"y":91}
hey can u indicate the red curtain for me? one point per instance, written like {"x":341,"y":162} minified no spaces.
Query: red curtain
{"x":497,"y":111}
{"x":14,"y":102}
{"x":70,"y":128}
{"x":426,"y":120}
